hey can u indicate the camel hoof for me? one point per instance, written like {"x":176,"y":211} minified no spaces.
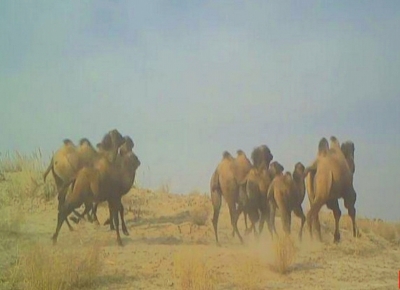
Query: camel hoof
{"x":120,"y":243}
{"x":125,"y":232}
{"x":336,"y":239}
{"x":74,"y":219}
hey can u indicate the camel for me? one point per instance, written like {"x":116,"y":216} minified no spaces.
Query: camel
{"x":102,"y":181}
{"x":225,"y":182}
{"x":331,"y":178}
{"x":286,"y":193}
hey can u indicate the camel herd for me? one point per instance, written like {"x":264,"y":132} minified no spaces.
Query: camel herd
{"x":259,"y":188}
{"x":85,"y":175}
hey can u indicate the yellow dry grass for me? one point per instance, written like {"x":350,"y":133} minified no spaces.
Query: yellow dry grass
{"x":44,"y":268}
{"x":192,"y":273}
{"x":284,"y":251}
{"x":248,"y":274}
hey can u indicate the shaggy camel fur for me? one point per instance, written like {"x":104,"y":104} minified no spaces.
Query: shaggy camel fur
{"x":224,"y":182}
{"x":253,"y":194}
{"x":286,"y":193}
{"x":103,"y":181}
{"x":333,"y":179}
{"x":69,"y":159}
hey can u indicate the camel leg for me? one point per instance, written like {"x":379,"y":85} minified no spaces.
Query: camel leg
{"x":298,"y":211}
{"x":349,"y":202}
{"x":216,"y":199}
{"x":121,"y":213}
{"x":62,"y":216}
{"x":115,"y":209}
{"x":318,"y":226}
{"x":286,"y":220}
{"x":248,"y":229}
{"x":268,"y":214}
{"x":312,"y":217}
{"x":334,"y":206}
{"x":239,"y":211}
{"x":234,"y":219}
{"x":109,"y":221}
{"x":94,"y":213}
{"x":71,"y":229}
{"x":245,"y":220}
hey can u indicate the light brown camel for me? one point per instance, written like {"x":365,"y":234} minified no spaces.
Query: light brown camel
{"x":331,"y":178}
{"x":102,"y":181}
{"x":286,"y":193}
{"x":224,"y":182}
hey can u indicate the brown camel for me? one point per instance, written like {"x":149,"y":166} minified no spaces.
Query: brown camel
{"x":102,"y":181}
{"x":286,"y":193}
{"x":242,"y":167}
{"x":225,"y":182}
{"x":253,"y":193}
{"x":331,"y":178}
{"x":69,"y":159}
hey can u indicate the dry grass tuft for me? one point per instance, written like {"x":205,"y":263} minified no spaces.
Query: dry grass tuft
{"x":248,"y":274}
{"x":12,"y":220}
{"x":386,"y":230}
{"x":192,"y":273}
{"x":284,"y":254}
{"x":199,"y":214}
{"x":43,"y":268}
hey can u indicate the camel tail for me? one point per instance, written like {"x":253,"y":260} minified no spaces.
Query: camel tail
{"x":271,"y":196}
{"x":50,"y":167}
{"x":214,"y":183}
{"x":310,"y":186}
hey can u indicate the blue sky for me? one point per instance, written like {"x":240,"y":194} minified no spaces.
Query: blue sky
{"x":190,"y":79}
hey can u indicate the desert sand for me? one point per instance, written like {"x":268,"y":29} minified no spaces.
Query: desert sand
{"x":169,"y":247}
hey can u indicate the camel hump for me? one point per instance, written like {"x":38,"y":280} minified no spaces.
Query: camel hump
{"x":334,"y":143}
{"x":68,"y":142}
{"x":240,"y":152}
{"x":287,"y":177}
{"x":85,"y":141}
{"x":226,"y":155}
{"x":323,"y":147}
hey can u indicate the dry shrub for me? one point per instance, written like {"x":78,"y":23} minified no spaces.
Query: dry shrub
{"x":199,"y":214}
{"x":192,"y":273}
{"x":165,"y":187}
{"x":284,"y":254}
{"x":12,"y":219}
{"x":44,"y":268}
{"x":18,"y":162}
{"x":386,"y":230}
{"x":248,"y":274}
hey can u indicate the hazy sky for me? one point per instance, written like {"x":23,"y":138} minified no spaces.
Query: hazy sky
{"x":190,"y":79}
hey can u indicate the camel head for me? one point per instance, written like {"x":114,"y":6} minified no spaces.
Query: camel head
{"x":127,"y":146}
{"x":348,"y":152}
{"x":298,"y":172}
{"x":112,"y":141}
{"x":275,"y":168}
{"x":260,"y":155}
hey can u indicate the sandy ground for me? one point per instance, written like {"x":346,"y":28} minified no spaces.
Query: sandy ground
{"x":163,"y":232}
